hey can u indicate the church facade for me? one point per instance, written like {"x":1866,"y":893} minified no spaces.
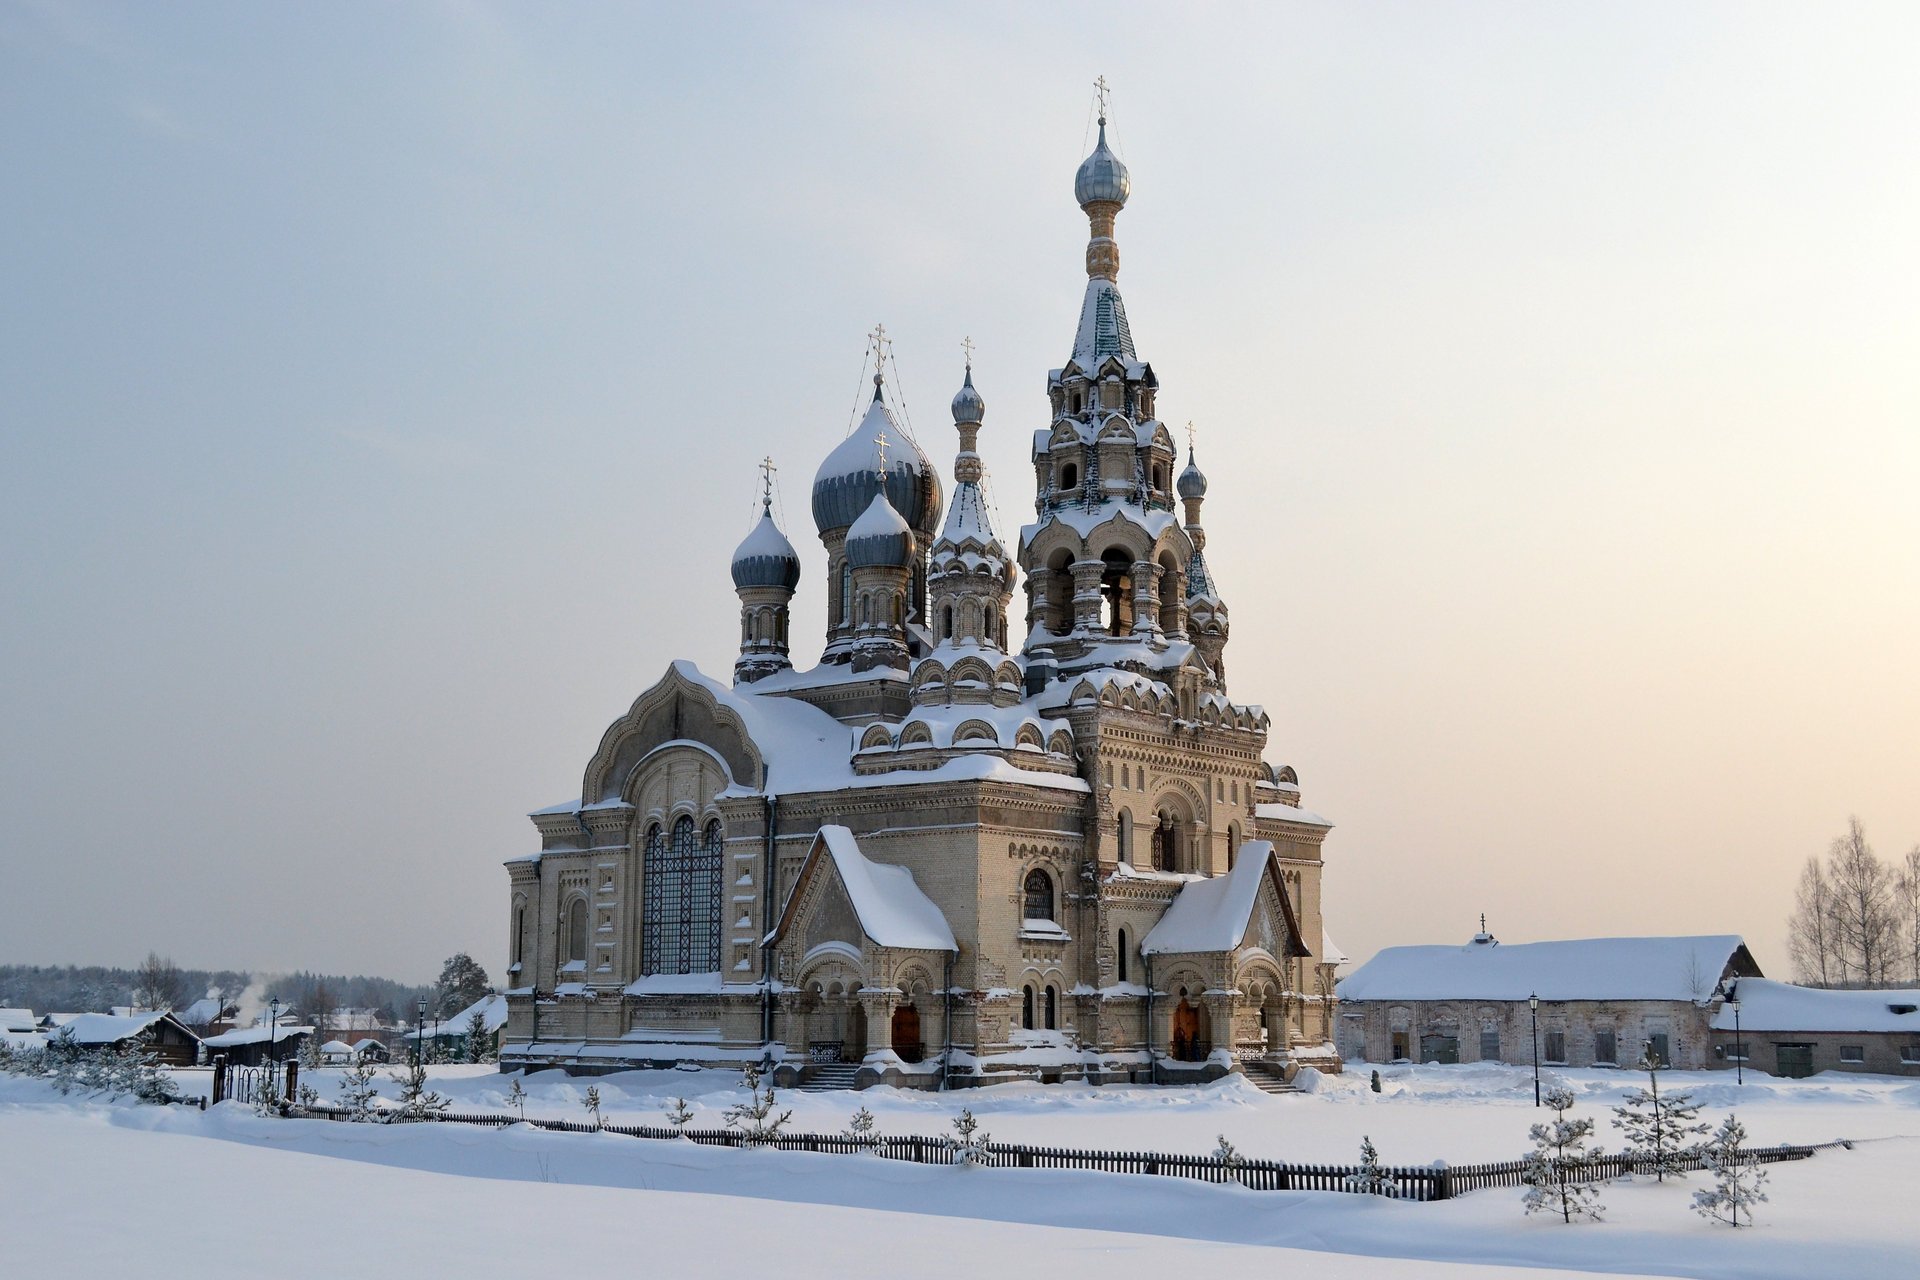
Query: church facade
{"x":950,"y":853}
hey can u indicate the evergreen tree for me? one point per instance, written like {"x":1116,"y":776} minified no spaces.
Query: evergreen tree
{"x":679,"y":1114}
{"x":462,"y":982}
{"x":592,"y":1103}
{"x":969,"y":1142}
{"x":1660,"y":1131}
{"x":1370,"y":1178}
{"x":64,"y":1062}
{"x":417,"y":1102}
{"x":479,"y":1039}
{"x":1737,"y":1177}
{"x":862,"y":1125}
{"x":310,"y":1052}
{"x":357,"y":1091}
{"x":1558,"y":1163}
{"x":755,"y":1118}
{"x":518,"y":1097}
{"x":1374,"y":1082}
{"x":1229,"y":1157}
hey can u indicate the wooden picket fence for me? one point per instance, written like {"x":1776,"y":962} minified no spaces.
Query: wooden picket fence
{"x":1437,"y":1181}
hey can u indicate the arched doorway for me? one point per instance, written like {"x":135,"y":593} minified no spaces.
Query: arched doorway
{"x":1189,"y":1040}
{"x":906,"y":1034}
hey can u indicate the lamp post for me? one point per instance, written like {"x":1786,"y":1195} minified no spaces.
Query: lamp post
{"x":273,"y":1034}
{"x":419,"y":1033}
{"x":1533,"y":1006}
{"x":1739,"y":1046}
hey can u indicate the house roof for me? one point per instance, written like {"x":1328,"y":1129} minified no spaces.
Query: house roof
{"x":112,"y":1028}
{"x":255,"y":1035}
{"x":1766,"y":1005}
{"x":18,"y":1020}
{"x":893,"y":911}
{"x":491,"y":1007}
{"x":1212,"y":914}
{"x":1684,"y":968}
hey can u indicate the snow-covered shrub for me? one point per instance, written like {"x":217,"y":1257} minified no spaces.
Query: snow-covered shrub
{"x":518,"y":1097}
{"x":357,"y":1091}
{"x":592,"y":1103}
{"x":1661,"y":1132}
{"x":64,"y":1064}
{"x":756,"y":1118}
{"x":1373,"y":1081}
{"x":969,"y":1142}
{"x":1737,"y":1176}
{"x":1559,"y":1163}
{"x":863,"y":1126}
{"x":1229,"y":1157}
{"x":679,"y":1115}
{"x":1370,"y":1178}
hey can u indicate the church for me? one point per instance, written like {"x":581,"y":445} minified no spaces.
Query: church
{"x":950,"y":853}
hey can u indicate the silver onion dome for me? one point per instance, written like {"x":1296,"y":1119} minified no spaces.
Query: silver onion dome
{"x":844,"y":486}
{"x":967,"y":404}
{"x":765,"y":558}
{"x":1102,"y":178}
{"x":1192,"y":482}
{"x":880,"y":537}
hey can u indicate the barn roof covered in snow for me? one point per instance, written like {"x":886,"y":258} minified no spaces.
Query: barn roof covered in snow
{"x":1686,"y":968}
{"x":256,"y":1035}
{"x":491,"y":1008}
{"x":1213,"y":914}
{"x":892,"y":909}
{"x":112,"y":1028}
{"x":1766,"y":1005}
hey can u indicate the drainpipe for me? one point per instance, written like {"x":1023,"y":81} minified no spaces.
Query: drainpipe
{"x":946,"y":1025}
{"x":1146,"y":1032}
{"x":766,"y":918}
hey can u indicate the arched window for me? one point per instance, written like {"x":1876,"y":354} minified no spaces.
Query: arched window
{"x":1076,"y":402}
{"x":846,"y":594}
{"x":1126,"y":828}
{"x":519,"y":932}
{"x":1053,"y":1009}
{"x":1070,"y":476}
{"x":1233,"y":843}
{"x":946,"y":622}
{"x":1159,"y":476}
{"x":1039,"y":895}
{"x":1026,"y":1007}
{"x":1163,"y":842}
{"x":1121,"y":948}
{"x":680,"y":913}
{"x":577,"y":929}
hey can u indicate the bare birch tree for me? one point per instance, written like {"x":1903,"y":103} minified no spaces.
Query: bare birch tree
{"x":1810,"y":928}
{"x":1906,"y":892}
{"x":1863,"y":907}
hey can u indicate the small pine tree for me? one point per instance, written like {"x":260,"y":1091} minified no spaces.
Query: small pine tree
{"x":309,"y":1097}
{"x":417,"y":1102}
{"x":968,"y":1143}
{"x":1370,"y":1178}
{"x":679,"y":1114}
{"x":357,"y":1091}
{"x":479,"y":1039}
{"x":862,"y":1126}
{"x":1661,"y":1132}
{"x":1374,"y":1082}
{"x":592,"y":1103}
{"x":755,"y":1118}
{"x":65,"y":1064}
{"x":518,"y":1097}
{"x":1557,"y":1162}
{"x":1229,"y":1157}
{"x":310,"y":1051}
{"x":1737,"y":1176}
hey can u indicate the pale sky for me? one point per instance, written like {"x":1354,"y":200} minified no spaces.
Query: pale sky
{"x":381,"y":387}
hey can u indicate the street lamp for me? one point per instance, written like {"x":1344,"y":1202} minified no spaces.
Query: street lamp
{"x":273,"y":1034}
{"x":1739,"y":1046}
{"x":1533,"y":1005}
{"x":419,"y":1033}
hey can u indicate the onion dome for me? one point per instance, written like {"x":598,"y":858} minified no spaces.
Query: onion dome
{"x":1101,"y":178}
{"x":1192,"y":482}
{"x":847,"y":481}
{"x":765,"y":558}
{"x":967,"y":404}
{"x":880,"y":537}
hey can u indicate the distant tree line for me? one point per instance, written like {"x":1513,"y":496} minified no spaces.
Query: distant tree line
{"x":157,"y":983}
{"x":1856,"y":919}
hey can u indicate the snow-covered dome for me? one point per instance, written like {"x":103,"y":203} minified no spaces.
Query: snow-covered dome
{"x":1102,"y":177}
{"x":850,"y":477}
{"x":967,"y":404}
{"x":765,"y":558}
{"x":1192,"y":482}
{"x":880,"y":537}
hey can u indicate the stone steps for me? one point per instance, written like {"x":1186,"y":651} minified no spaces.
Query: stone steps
{"x":1266,"y":1078}
{"x":828,"y":1077}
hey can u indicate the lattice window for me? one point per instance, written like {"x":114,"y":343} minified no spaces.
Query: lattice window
{"x":680,"y":915}
{"x":1039,"y":895}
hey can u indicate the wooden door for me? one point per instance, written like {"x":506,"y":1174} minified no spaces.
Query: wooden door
{"x":1795,"y":1061}
{"x":906,"y":1033}
{"x":1186,"y":1032}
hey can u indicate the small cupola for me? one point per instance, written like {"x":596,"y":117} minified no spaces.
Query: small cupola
{"x":880,"y":537}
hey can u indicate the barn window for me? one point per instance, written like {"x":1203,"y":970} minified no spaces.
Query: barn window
{"x":1039,"y":895}
{"x":1853,"y":1053}
{"x":1556,"y":1046}
{"x":680,"y":915}
{"x":1605,"y":1048}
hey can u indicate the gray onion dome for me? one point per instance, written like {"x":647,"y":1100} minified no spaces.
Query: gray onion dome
{"x":880,"y":537}
{"x":849,"y":478}
{"x":1192,"y":482}
{"x":1102,"y":178}
{"x":765,"y":558}
{"x":967,"y":405}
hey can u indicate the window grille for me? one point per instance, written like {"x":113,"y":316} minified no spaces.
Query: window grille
{"x":680,"y":913}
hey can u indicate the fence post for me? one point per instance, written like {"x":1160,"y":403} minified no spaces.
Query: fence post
{"x":293,"y":1077}
{"x":219,"y":1078}
{"x":1442,"y":1181}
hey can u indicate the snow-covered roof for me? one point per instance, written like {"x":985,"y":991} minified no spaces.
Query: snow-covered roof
{"x":337,"y":1048}
{"x":1766,"y":1005}
{"x":18,"y":1020}
{"x":108,"y":1028}
{"x":1212,"y":914}
{"x":1103,"y":329}
{"x":1684,"y":968}
{"x":201,"y":1011}
{"x":490,"y":1007}
{"x":1291,"y":813}
{"x":1330,"y":952}
{"x":890,"y":905}
{"x":255,"y":1035}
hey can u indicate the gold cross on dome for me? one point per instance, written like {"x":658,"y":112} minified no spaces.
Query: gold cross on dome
{"x":1189,"y":435}
{"x":766,"y":482}
{"x":1100,"y":90}
{"x":880,"y":443}
{"x":966,"y":345}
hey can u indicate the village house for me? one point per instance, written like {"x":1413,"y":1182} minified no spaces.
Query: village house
{"x":1600,"y":1001}
{"x":1792,"y":1031}
{"x":170,"y":1040}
